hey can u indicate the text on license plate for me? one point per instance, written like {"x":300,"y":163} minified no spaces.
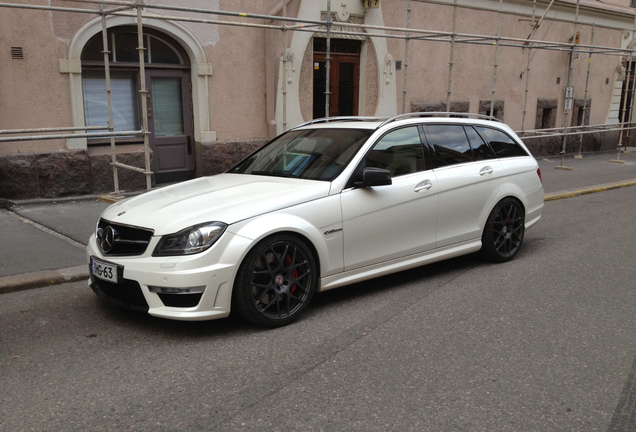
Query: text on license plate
{"x":104,"y":271}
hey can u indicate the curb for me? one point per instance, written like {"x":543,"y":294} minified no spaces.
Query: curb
{"x":42,"y":278}
{"x":584,"y":191}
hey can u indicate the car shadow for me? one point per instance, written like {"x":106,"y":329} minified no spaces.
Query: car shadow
{"x":396,"y":281}
{"x":322,"y":302}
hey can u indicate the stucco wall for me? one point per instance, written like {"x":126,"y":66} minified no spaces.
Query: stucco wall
{"x":33,"y":94}
{"x":473,"y":68}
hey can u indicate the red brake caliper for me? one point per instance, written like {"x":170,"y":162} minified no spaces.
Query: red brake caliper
{"x":294,"y":272}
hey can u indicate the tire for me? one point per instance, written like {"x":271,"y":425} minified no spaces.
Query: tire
{"x":504,"y":230}
{"x":276,"y":281}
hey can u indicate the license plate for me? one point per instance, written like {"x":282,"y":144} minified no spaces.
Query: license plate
{"x":104,"y":271}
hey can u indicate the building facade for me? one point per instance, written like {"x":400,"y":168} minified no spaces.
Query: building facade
{"x":220,"y":78}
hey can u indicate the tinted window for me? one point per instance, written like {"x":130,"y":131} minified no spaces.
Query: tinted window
{"x":481,"y":150}
{"x":450,"y":144}
{"x":399,"y":151}
{"x":502,"y":144}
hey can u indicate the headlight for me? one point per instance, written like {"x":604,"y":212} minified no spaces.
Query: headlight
{"x":191,"y":240}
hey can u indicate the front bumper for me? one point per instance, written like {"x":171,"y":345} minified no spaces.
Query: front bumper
{"x":189,"y":288}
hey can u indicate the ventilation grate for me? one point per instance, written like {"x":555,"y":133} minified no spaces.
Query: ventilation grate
{"x":17,"y":53}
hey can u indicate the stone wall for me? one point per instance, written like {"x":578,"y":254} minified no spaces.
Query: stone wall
{"x":550,"y":146}
{"x":457,"y":106}
{"x":65,"y":173}
{"x":76,"y":173}
{"x":219,"y":156}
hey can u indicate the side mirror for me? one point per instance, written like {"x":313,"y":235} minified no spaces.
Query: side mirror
{"x":375,"y":177}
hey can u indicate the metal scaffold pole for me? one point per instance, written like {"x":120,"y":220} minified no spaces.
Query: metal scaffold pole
{"x":143,"y":92}
{"x":527,"y":89}
{"x":451,"y":62}
{"x":328,"y":60}
{"x":285,"y":71}
{"x":109,"y":102}
{"x":496,"y":63}
{"x":569,"y":92}
{"x":406,"y":56}
{"x":587,"y":86}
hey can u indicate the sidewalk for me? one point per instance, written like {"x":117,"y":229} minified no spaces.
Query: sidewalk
{"x":594,"y":172}
{"x":43,"y":241}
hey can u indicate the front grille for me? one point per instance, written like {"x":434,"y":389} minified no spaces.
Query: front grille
{"x":126,"y":240}
{"x":126,"y":294}
{"x":181,"y":300}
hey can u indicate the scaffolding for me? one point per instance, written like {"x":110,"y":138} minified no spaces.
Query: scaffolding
{"x":139,"y":10}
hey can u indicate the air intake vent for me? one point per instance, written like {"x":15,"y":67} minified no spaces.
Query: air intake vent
{"x":17,"y":53}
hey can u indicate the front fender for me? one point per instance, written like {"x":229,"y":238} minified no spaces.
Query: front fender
{"x":319,"y":222}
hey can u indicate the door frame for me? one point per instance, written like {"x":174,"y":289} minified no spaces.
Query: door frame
{"x":337,"y":58}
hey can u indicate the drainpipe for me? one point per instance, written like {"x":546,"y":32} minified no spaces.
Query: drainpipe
{"x":271,"y":63}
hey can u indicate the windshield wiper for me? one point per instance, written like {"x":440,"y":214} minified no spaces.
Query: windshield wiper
{"x":272,"y":174}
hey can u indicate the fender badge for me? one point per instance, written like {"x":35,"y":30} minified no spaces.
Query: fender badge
{"x":331,"y":231}
{"x":121,"y":213}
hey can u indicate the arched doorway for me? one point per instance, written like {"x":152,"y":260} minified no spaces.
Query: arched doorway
{"x":344,"y":74}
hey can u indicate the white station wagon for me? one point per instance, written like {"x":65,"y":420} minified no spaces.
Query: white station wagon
{"x":328,"y":203}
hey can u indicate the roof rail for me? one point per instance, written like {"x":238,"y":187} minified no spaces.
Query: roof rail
{"x":440,"y":114}
{"x":386,"y":120}
{"x":339,"y":119}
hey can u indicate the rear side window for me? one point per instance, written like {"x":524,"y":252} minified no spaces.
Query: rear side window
{"x":502,"y":144}
{"x":481,"y":150}
{"x":450,"y":144}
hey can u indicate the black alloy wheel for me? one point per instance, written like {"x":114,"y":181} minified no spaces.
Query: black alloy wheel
{"x":276,"y":281}
{"x":503,"y":234}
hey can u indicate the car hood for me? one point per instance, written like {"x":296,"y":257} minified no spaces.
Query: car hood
{"x":225,"y":198}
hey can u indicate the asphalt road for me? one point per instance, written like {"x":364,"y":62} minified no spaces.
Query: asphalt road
{"x":546,"y":342}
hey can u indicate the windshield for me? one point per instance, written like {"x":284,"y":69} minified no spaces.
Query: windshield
{"x":315,"y":154}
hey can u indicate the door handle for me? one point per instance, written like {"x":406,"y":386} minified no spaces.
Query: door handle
{"x":486,"y":171}
{"x":425,"y":185}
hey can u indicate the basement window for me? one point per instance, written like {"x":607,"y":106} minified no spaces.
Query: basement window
{"x":581,"y":112}
{"x":497,"y":112}
{"x":546,"y":113}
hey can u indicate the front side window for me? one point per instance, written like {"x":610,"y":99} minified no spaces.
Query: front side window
{"x":503,"y":145}
{"x":314,"y":154}
{"x":399,"y":151}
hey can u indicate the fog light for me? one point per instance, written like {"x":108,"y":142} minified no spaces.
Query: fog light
{"x":170,"y":290}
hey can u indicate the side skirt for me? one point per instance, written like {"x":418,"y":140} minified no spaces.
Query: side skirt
{"x":397,"y":265}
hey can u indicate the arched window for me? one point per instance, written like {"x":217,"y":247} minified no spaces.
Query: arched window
{"x":168,"y":93}
{"x":160,"y":52}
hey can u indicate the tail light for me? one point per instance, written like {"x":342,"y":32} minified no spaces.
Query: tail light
{"x":539,"y":174}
